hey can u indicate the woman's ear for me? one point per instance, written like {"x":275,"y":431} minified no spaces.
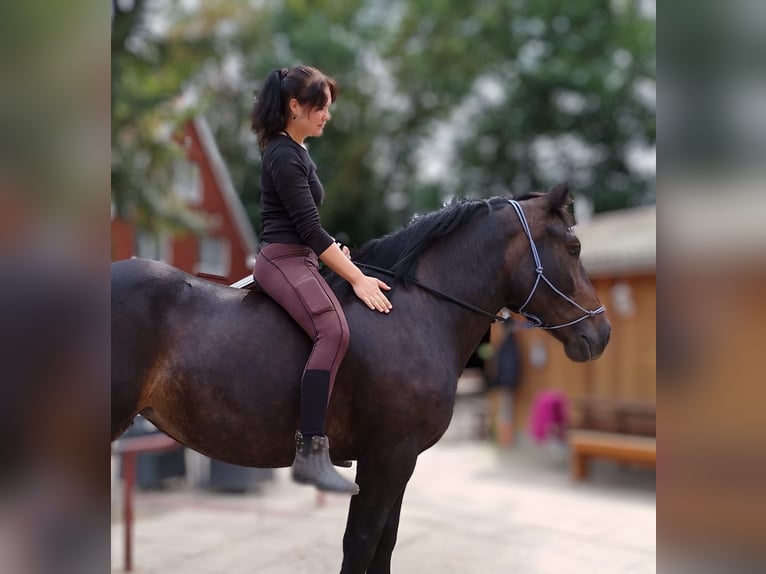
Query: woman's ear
{"x":295,"y":107}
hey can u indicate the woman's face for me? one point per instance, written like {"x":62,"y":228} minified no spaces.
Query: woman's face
{"x":310,"y":122}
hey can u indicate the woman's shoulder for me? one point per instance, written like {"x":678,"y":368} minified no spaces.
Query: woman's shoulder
{"x":281,"y":145}
{"x":282,"y":149}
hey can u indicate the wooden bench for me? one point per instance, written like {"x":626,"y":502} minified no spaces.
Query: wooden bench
{"x":585,"y":445}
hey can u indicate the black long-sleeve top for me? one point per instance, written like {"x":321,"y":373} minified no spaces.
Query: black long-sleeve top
{"x":290,"y":195}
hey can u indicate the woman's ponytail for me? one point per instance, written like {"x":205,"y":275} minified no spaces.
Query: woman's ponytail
{"x":269,"y":111}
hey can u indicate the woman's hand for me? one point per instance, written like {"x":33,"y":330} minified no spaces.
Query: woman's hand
{"x":368,"y":289}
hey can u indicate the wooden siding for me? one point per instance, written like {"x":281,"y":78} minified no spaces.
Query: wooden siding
{"x":625,"y":372}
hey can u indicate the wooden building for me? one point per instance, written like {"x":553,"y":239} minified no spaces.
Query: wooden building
{"x":227,"y":248}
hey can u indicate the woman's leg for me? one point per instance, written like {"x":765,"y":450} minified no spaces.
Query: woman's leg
{"x":290,"y":275}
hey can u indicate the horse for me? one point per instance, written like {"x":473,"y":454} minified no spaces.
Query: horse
{"x":219,"y":368}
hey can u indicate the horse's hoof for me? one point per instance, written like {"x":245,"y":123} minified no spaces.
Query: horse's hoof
{"x":342,"y":463}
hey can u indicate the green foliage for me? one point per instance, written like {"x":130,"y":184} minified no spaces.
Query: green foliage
{"x":148,"y":75}
{"x":51,"y":106}
{"x":438,"y":99}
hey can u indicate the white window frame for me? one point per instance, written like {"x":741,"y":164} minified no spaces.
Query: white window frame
{"x":160,"y":247}
{"x":222,"y":267}
{"x":187,"y":182}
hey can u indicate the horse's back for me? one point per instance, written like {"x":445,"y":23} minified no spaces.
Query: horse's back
{"x":147,"y":276}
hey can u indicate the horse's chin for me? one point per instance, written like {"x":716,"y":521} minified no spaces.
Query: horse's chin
{"x":584,"y":341}
{"x":581,"y":348}
{"x":578,"y":349}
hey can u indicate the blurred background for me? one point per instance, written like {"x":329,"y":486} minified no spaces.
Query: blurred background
{"x":438,"y":100}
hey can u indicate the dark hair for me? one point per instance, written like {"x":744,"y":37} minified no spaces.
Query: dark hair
{"x":304,"y":83}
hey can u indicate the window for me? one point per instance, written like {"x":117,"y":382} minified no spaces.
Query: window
{"x":150,"y":245}
{"x":214,"y":256}
{"x":187,"y":183}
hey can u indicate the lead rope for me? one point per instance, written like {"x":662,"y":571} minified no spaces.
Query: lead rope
{"x":442,"y":294}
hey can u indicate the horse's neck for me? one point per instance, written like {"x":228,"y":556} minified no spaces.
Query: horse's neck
{"x":468,"y":269}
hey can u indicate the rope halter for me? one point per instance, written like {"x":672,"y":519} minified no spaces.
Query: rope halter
{"x":534,"y":320}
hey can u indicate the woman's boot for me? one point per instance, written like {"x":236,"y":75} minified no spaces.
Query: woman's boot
{"x":312,"y":465}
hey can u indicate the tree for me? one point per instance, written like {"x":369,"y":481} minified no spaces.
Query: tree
{"x":150,"y":72}
{"x":449,"y":98}
{"x":534,"y":92}
{"x":438,"y":98}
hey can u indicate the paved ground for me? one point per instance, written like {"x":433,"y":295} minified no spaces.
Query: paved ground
{"x":468,"y":509}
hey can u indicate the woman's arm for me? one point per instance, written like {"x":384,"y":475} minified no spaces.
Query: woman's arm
{"x":368,"y":289}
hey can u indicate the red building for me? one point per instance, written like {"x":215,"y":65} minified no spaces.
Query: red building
{"x":228,"y":246}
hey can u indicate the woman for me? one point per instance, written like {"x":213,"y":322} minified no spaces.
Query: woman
{"x":294,"y":104}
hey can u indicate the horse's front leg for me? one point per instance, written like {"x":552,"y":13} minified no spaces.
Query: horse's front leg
{"x":381,"y":561}
{"x":373,"y":515}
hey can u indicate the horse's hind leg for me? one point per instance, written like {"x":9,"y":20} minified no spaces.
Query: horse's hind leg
{"x":374,"y":513}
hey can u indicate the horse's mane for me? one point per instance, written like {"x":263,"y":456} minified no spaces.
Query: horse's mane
{"x":399,"y":251}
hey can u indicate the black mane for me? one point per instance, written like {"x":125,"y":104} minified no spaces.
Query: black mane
{"x":399,"y":251}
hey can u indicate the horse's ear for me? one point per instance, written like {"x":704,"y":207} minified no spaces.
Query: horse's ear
{"x":559,"y":197}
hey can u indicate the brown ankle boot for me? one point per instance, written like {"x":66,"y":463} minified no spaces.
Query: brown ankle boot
{"x":312,"y":465}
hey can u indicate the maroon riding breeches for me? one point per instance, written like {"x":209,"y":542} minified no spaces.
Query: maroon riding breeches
{"x":289,"y":274}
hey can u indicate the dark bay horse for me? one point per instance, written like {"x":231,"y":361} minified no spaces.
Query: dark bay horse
{"x":219,"y":368}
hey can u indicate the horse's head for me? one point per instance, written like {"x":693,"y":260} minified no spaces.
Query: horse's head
{"x":549,"y":285}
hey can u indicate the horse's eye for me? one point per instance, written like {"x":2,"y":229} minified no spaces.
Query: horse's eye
{"x":574,"y":250}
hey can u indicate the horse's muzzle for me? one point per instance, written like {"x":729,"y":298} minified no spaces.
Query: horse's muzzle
{"x":588,"y":340}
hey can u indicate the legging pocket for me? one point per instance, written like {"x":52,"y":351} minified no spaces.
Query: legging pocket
{"x":314,"y":297}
